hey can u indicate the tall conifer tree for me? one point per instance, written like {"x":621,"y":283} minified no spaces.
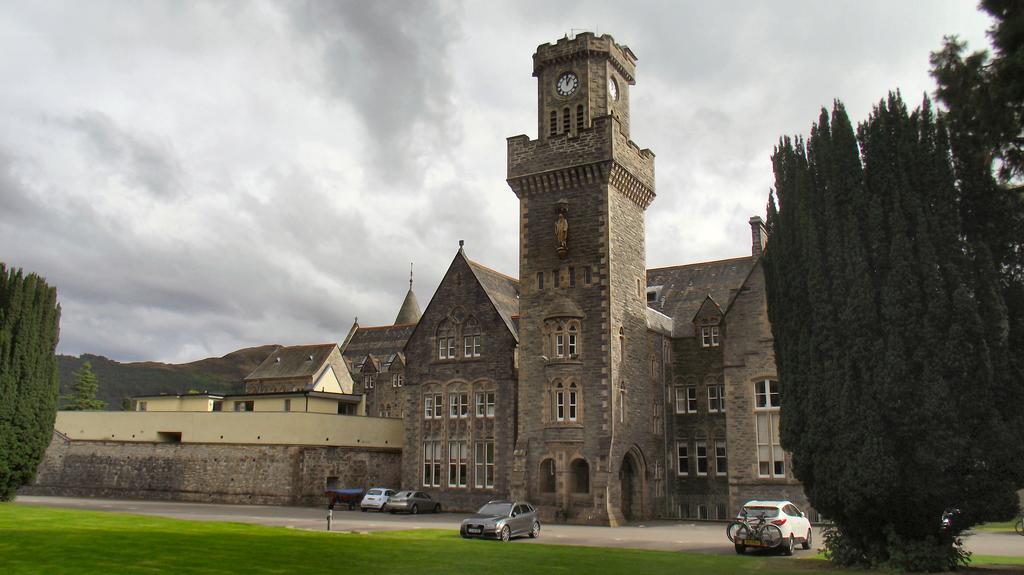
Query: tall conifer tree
{"x":83,"y":391}
{"x":888,"y":339}
{"x":29,"y":323}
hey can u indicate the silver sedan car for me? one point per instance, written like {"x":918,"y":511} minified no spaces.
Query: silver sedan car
{"x":411,"y":502}
{"x":502,"y":520}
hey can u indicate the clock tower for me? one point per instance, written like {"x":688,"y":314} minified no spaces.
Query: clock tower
{"x":585,"y":402}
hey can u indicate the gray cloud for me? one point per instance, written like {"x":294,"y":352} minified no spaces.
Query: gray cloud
{"x":142,"y":162}
{"x":199,"y":177}
{"x":391,"y":61}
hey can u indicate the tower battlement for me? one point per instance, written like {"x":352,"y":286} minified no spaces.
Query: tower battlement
{"x":586,"y":44}
{"x":590,"y":154}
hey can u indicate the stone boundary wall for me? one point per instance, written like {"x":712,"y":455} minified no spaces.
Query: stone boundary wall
{"x":210,"y":473}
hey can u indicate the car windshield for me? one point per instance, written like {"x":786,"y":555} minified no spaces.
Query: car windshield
{"x":403,"y":495}
{"x":768,"y":512}
{"x":500,"y":509}
{"x":374,"y":492}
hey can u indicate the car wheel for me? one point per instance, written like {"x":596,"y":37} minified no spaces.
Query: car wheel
{"x":787,"y":547}
{"x":807,"y":541}
{"x":463,"y":534}
{"x":415,"y":510}
{"x":391,"y":511}
{"x":437,"y":508}
{"x":535,"y":532}
{"x":741,"y":549}
{"x":363,"y":509}
{"x":506,"y":533}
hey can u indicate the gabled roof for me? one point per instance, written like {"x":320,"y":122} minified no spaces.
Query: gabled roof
{"x":710,"y":307}
{"x":684,"y":289}
{"x":294,"y":361}
{"x":503,"y":292}
{"x":381,"y":341}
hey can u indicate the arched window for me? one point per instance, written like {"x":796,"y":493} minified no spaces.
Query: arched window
{"x":554,"y":126}
{"x":580,"y":471}
{"x":560,"y":397}
{"x":560,"y":340}
{"x":573,"y":399}
{"x":573,"y":340}
{"x":547,"y":476}
{"x":566,"y":120}
{"x":472,"y":340}
{"x":445,"y":340}
{"x":579,"y":118}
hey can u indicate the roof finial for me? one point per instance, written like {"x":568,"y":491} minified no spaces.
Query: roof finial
{"x":410,"y":276}
{"x":461,"y":243}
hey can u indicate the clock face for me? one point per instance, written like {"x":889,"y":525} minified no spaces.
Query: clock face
{"x":567,"y":84}
{"x":613,"y":88}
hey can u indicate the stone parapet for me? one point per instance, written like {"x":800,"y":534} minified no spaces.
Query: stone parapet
{"x":600,"y":154}
{"x":584,"y":45}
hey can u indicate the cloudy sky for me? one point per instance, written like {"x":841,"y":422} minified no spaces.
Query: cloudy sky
{"x":196,"y":177}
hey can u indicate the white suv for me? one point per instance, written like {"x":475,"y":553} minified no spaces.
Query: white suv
{"x":376,"y":498}
{"x":792,"y":522}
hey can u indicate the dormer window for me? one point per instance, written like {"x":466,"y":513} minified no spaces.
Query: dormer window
{"x":709,"y":336}
{"x":653,"y":293}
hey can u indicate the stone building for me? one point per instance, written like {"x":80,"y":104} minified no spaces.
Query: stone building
{"x":301,"y":367}
{"x":597,"y":389}
{"x":376,"y":359}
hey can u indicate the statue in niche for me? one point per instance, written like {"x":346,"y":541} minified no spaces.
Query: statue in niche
{"x":562,"y":231}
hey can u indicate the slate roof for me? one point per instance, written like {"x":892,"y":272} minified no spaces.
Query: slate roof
{"x":380,"y":341}
{"x":503,"y":291}
{"x":293,"y":361}
{"x":410,"y":310}
{"x":684,"y":288}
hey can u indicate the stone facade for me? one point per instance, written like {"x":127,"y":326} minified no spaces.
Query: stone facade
{"x":587,"y":457}
{"x":213,"y":473}
{"x":460,"y":451}
{"x":377,"y":363}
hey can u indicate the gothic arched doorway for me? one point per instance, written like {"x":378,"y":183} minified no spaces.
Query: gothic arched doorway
{"x":631,"y":482}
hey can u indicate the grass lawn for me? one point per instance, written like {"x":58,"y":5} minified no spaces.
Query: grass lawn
{"x":45,"y":540}
{"x":1004,"y":527}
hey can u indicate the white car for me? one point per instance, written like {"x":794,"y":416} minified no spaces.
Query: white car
{"x":376,"y":498}
{"x":790,"y":521}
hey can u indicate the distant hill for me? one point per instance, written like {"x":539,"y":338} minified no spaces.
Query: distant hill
{"x":119,"y":381}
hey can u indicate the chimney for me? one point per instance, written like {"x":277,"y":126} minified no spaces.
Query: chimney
{"x":758,"y":235}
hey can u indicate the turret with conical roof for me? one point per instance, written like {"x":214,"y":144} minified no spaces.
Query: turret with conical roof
{"x":410,"y":312}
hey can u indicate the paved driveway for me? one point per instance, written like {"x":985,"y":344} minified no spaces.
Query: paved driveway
{"x":697,"y":537}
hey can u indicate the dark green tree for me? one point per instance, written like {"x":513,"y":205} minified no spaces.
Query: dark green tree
{"x":983,"y":94}
{"x":83,"y":391}
{"x":898,"y":398}
{"x":29,"y":325}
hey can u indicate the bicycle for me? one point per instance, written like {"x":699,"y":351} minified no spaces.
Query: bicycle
{"x":743,"y":533}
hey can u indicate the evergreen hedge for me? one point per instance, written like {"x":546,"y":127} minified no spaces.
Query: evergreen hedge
{"x":29,"y":325}
{"x":898,"y":396}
